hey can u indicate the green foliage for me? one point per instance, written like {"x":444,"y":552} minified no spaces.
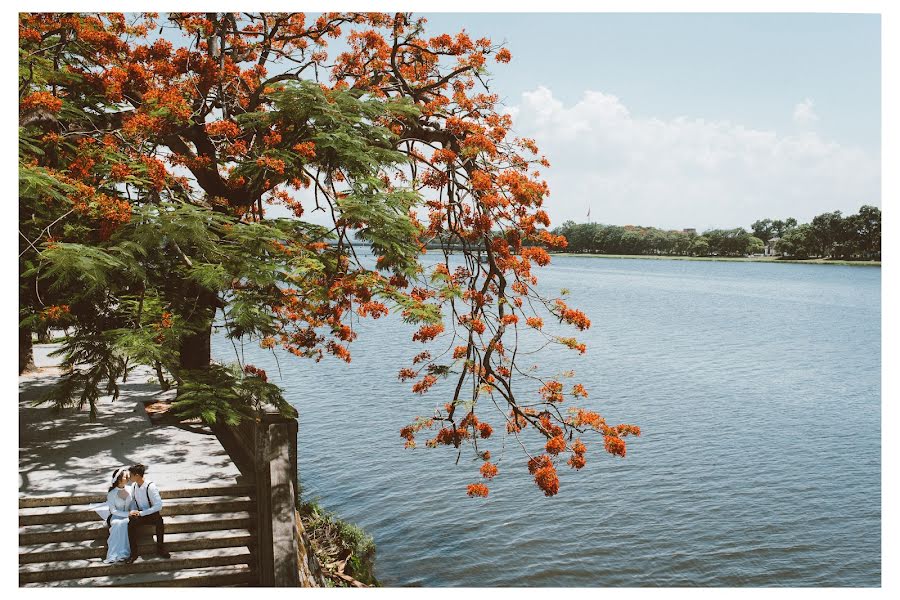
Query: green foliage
{"x":334,"y":539}
{"x":339,"y":123}
{"x":223,"y":394}
{"x":699,"y":246}
{"x":797,"y":243}
{"x":755,"y":246}
{"x":94,"y":368}
{"x":829,"y":235}
{"x":88,"y":268}
{"x":763,"y":229}
{"x":383,"y":219}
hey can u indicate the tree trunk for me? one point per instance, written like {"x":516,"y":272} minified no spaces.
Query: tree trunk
{"x":26,"y":350}
{"x":195,"y":351}
{"x":162,"y":379}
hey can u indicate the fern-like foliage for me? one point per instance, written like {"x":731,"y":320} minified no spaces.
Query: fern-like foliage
{"x":225,"y":395}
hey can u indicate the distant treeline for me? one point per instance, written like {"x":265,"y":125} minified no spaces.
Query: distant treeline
{"x":829,"y":235}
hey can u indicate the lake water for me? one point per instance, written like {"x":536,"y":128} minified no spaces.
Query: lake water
{"x":757,"y":387}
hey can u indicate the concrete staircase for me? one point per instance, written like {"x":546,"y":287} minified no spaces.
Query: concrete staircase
{"x":210,"y":534}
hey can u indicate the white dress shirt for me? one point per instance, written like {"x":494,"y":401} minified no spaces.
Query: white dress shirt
{"x":147,"y":498}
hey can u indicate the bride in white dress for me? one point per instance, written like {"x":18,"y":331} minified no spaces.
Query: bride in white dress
{"x":119,"y":501}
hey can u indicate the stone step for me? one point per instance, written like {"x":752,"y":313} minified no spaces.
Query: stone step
{"x":97,"y":530}
{"x":43,"y":501}
{"x":186,"y":508}
{"x":226,"y":575}
{"x":167,"y":504}
{"x":79,"y":569}
{"x":98,"y":542}
{"x":174,"y":543}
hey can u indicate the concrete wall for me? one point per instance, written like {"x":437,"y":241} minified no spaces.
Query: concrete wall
{"x":265,"y":451}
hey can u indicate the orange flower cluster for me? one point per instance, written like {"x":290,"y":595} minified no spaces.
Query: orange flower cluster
{"x":306,"y":150}
{"x":544,"y":474}
{"x":372,"y":309}
{"x":509,"y":319}
{"x":477,"y":490}
{"x":478,"y":142}
{"x":516,"y":422}
{"x":170,"y":103}
{"x":119,"y":172}
{"x":571,"y":315}
{"x":448,"y":436}
{"x":555,"y":445}
{"x":272,"y":139}
{"x":156,"y":172}
{"x":574,"y":344}
{"x":614,"y":445}
{"x":481,"y":181}
{"x":56,"y":312}
{"x":40,"y":100}
{"x":552,"y":391}
{"x":547,"y":424}
{"x":624,"y":430}
{"x":577,"y":460}
{"x":110,"y":211}
{"x":536,"y":254}
{"x":142,"y":125}
{"x":477,"y":325}
{"x":428,"y":332}
{"x":256,"y":372}
{"x":338,"y":350}
{"x":443,"y":155}
{"x":29,"y":35}
{"x":424,"y":384}
{"x":535,"y":322}
{"x":271,"y":163}
{"x":409,"y":432}
{"x":588,"y":418}
{"x":488,"y":470}
{"x":224,"y":128}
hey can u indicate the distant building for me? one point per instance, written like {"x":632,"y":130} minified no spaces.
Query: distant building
{"x":770,"y":246}
{"x":689,"y":231}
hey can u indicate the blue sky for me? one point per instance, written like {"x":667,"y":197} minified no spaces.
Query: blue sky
{"x":742,"y":67}
{"x":784,"y":107}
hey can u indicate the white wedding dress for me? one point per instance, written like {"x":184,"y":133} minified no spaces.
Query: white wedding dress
{"x":119,"y":501}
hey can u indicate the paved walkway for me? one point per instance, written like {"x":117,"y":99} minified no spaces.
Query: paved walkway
{"x":64,"y":453}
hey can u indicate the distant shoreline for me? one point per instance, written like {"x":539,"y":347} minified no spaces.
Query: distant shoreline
{"x":809,"y":261}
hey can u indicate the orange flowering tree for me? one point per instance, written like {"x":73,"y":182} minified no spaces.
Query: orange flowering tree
{"x":152,"y":151}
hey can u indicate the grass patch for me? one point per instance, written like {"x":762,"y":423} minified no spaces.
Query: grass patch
{"x":339,"y":546}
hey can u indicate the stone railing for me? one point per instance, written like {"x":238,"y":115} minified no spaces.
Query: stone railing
{"x":265,"y":451}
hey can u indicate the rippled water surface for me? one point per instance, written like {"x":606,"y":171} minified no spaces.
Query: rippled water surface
{"x":757,"y":387}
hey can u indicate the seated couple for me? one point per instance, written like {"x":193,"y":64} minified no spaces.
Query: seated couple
{"x":133,"y":503}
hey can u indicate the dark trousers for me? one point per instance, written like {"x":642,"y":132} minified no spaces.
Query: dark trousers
{"x":137,"y":522}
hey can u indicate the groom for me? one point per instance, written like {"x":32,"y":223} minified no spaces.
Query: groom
{"x":149,"y":503}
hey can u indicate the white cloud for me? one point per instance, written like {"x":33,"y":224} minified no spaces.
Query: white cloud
{"x":686,"y":172}
{"x":804,"y":113}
